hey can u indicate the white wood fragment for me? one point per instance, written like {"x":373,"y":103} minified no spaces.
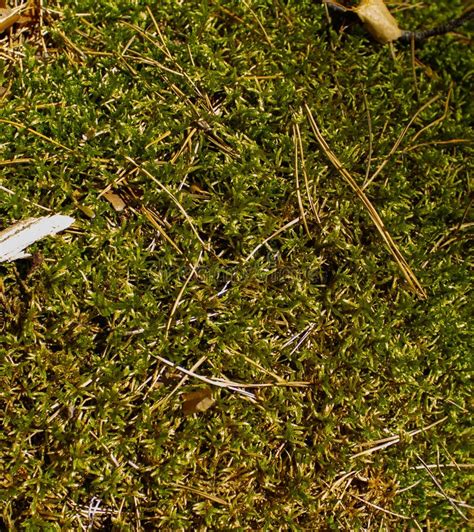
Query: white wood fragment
{"x":16,"y":238}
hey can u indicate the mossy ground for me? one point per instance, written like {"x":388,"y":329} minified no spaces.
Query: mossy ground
{"x":194,"y":125}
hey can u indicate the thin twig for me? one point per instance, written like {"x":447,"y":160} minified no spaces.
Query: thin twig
{"x":181,"y":292}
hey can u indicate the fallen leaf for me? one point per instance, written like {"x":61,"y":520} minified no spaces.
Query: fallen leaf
{"x":378,"y":20}
{"x":8,"y":17}
{"x":16,"y":238}
{"x":115,"y":200}
{"x":198,"y":401}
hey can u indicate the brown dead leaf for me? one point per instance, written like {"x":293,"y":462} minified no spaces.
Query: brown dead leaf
{"x":198,"y":401}
{"x":378,"y":20}
{"x":24,"y":15}
{"x":8,"y":17}
{"x":115,"y":200}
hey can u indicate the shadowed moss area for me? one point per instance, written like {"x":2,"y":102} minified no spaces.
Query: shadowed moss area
{"x":242,"y":254}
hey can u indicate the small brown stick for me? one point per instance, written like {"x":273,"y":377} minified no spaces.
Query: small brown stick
{"x":392,"y":246}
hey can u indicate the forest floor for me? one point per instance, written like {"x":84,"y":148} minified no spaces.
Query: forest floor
{"x":319,"y":316}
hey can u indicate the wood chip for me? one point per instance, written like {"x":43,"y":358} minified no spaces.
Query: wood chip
{"x":16,"y":238}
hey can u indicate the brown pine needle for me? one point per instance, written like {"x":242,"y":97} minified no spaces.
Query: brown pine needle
{"x":391,"y":245}
{"x":379,"y":507}
{"x":34,"y":132}
{"x":305,"y":175}
{"x":173,"y":198}
{"x":297,"y":179}
{"x":392,"y":440}
{"x":399,"y":140}
{"x":438,"y":485}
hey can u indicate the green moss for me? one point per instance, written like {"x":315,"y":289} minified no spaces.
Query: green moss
{"x":207,"y":110}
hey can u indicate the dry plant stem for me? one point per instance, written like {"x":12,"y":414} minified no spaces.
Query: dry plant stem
{"x":438,"y":485}
{"x":181,"y":292}
{"x":260,"y":25}
{"x":371,"y":136}
{"x":379,"y":507}
{"x":8,"y":191}
{"x":229,"y":385}
{"x":37,"y":133}
{"x":337,"y":483}
{"x":393,"y":248}
{"x":438,"y":120}
{"x":437,"y":143}
{"x":180,"y":384}
{"x":459,"y":467}
{"x":173,"y":197}
{"x":276,"y":233}
{"x":152,"y":219}
{"x":297,"y":179}
{"x":413,"y":63}
{"x":305,"y":174}
{"x":392,"y":440}
{"x":202,"y":493}
{"x":398,"y":141}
